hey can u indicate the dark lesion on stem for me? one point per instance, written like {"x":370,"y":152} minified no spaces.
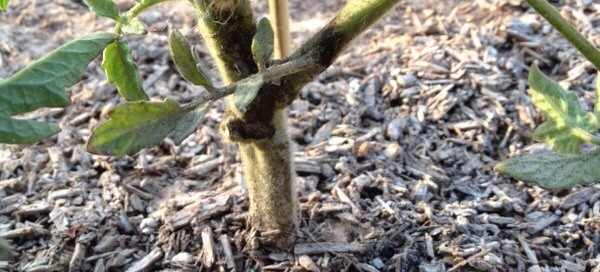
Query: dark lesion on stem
{"x":327,"y":44}
{"x":238,"y":130}
{"x":228,"y":27}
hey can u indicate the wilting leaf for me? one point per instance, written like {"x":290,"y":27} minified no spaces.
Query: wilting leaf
{"x":185,"y":61}
{"x":121,"y":71}
{"x":554,"y":171}
{"x":188,"y":124}
{"x":133,"y":26}
{"x":262,"y":43}
{"x":106,"y":8}
{"x":43,"y":82}
{"x":16,"y":131}
{"x":246,"y":91}
{"x":562,"y":111}
{"x":135,"y":125}
{"x":3,"y":5}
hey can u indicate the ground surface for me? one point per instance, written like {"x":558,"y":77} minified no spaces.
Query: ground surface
{"x":395,"y":145}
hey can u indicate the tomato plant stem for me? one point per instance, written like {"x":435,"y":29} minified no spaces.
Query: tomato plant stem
{"x":567,"y":30}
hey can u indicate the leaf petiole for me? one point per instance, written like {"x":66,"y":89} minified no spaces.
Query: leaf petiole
{"x":269,"y":74}
{"x":138,"y":8}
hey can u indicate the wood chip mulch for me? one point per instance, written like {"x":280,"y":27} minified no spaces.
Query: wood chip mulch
{"x":395,"y":145}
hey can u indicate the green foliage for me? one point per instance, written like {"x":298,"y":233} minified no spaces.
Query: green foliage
{"x":203,"y":70}
{"x":565,"y":116}
{"x":246,"y":91}
{"x":262,"y":43}
{"x":188,"y":124}
{"x":14,"y":131}
{"x":42,"y":84}
{"x":554,"y":171}
{"x":185,"y":61}
{"x":121,"y":71}
{"x":3,"y":5}
{"x":227,"y":27}
{"x":135,"y":125}
{"x":106,"y":8}
{"x":5,"y":249}
{"x":133,"y":26}
{"x":567,"y":125}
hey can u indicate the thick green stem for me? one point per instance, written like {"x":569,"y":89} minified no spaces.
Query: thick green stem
{"x":330,"y":42}
{"x":567,"y":30}
{"x":350,"y":22}
{"x":227,"y":27}
{"x":270,"y":176}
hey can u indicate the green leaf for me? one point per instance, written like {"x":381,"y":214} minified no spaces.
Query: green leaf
{"x":135,"y":125}
{"x":185,"y":61}
{"x":15,"y":131}
{"x":121,"y":71}
{"x":554,"y":171}
{"x":3,"y":5}
{"x":188,"y":124}
{"x":5,"y":249}
{"x":43,"y":82}
{"x":106,"y":8}
{"x":133,"y":26}
{"x":246,"y":91}
{"x":563,"y":112}
{"x":262,"y":43}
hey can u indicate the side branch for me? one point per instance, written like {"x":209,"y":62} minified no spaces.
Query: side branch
{"x":351,"y":21}
{"x":330,"y":42}
{"x":141,"y":6}
{"x":138,"y":8}
{"x":270,"y":74}
{"x":311,"y":59}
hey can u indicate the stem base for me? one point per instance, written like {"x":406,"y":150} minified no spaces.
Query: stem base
{"x":270,"y":175}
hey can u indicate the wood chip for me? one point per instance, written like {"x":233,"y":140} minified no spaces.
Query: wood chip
{"x":37,"y":208}
{"x":148,"y":261}
{"x":307,"y":263}
{"x":25,"y":232}
{"x":541,"y":224}
{"x":76,"y":262}
{"x":208,"y":256}
{"x":229,"y":260}
{"x":318,"y":248}
{"x":577,"y":197}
